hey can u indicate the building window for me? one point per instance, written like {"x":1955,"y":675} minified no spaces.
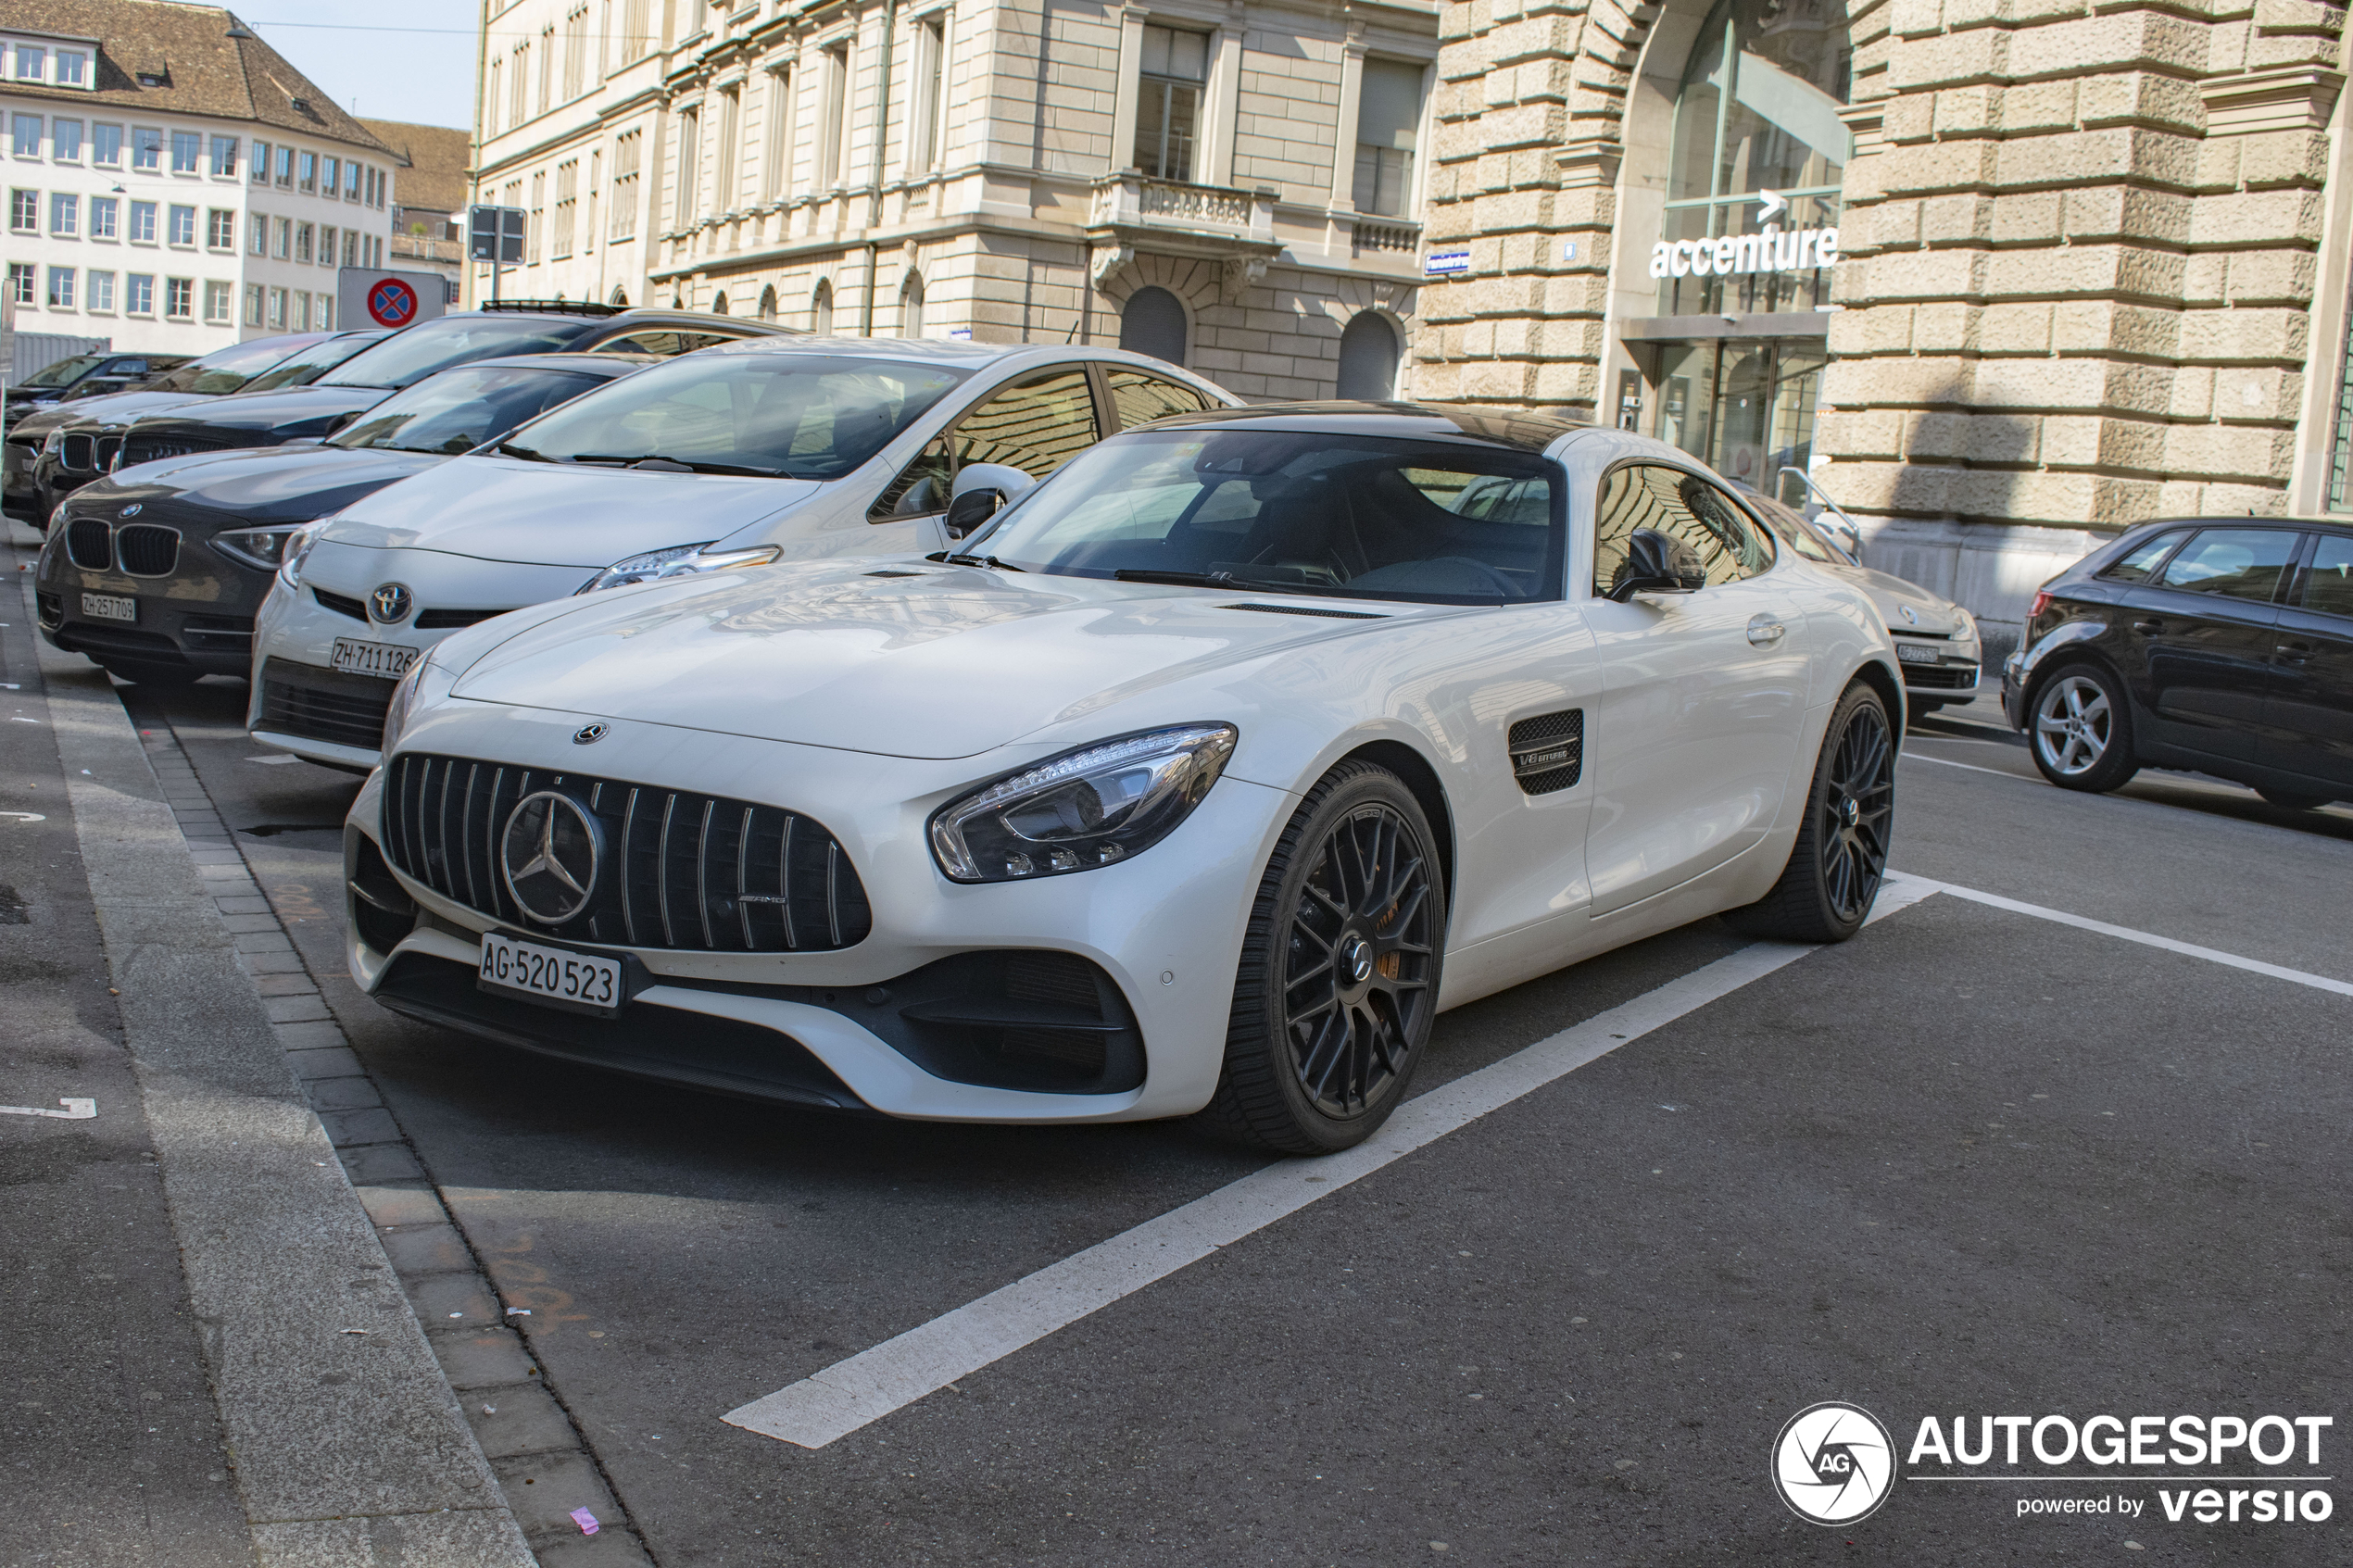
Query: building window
{"x":567,"y":206}
{"x":102,"y":218}
{"x":719,"y":303}
{"x":24,"y":212}
{"x":183,"y":225}
{"x":282,"y":233}
{"x":224,"y":156}
{"x":575,"y":52}
{"x":216,"y":303}
{"x":1153,"y":322}
{"x":1389,"y":112}
{"x":65,"y":214}
{"x":287,"y":166}
{"x":351,"y":247}
{"x":278,"y":310}
{"x":627,"y":149}
{"x":180,"y":298}
{"x":326,"y":312}
{"x":258,"y":234}
{"x":62,"y":288}
{"x":143,"y":223}
{"x":24,"y":131}
{"x":518,"y":85}
{"x":101,"y":291}
{"x":221,"y":229}
{"x":689,"y":168}
{"x":1175,"y":67}
{"x":309,"y":180}
{"x":147,"y":149}
{"x":261,"y":163}
{"x":73,"y":67}
{"x":301,"y":321}
{"x":724,"y":175}
{"x":65,"y":139}
{"x":326,"y":246}
{"x":768,"y":303}
{"x":929,"y":107}
{"x":331,"y":178}
{"x":910,"y":305}
{"x":30,"y":61}
{"x":21,"y":282}
{"x":833,"y":143}
{"x":253,"y":305}
{"x":105,"y":144}
{"x":139,"y":294}
{"x":187,"y":152}
{"x":534,"y":220}
{"x":303,"y":236}
{"x":547,"y":70}
{"x":589,"y":189}
{"x":776,"y":158}
{"x":821,"y":309}
{"x":637,"y":37}
{"x":351,"y":180}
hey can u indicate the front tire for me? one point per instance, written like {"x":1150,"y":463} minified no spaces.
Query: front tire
{"x":1338,"y":983}
{"x":1835,"y":868}
{"x":2080,"y":730}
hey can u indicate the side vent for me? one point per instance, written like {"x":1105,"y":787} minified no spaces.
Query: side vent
{"x":1548,"y":753}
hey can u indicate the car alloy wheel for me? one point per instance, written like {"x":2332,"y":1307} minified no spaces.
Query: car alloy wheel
{"x":2074,"y":725}
{"x":1840,"y":857}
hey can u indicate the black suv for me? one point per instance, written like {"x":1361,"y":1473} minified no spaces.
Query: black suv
{"x":371,"y":376}
{"x":83,"y":375}
{"x":2219,"y":646}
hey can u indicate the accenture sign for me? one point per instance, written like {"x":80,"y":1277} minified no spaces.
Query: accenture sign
{"x":1772,"y":249}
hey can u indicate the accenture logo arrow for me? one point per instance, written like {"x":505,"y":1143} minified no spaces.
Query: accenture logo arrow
{"x":1773,"y":203}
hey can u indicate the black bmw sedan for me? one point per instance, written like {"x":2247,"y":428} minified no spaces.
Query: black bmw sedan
{"x":156,"y":572}
{"x":2220,"y":645}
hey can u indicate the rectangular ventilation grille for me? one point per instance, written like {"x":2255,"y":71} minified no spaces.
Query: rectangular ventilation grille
{"x":302,"y":699}
{"x":146,"y":549}
{"x":1934,"y":678}
{"x":339,"y":604}
{"x":691,"y":871}
{"x":450,"y":619}
{"x":137,"y":448}
{"x":1548,"y":753}
{"x":90,"y":544}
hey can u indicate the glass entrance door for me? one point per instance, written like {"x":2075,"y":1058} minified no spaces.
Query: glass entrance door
{"x":1744,"y":407}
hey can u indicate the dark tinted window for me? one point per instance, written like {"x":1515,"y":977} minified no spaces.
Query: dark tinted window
{"x":1685,"y":507}
{"x":1141,"y":398}
{"x":64,"y":373}
{"x":301,"y":369}
{"x":457,"y":410}
{"x":227,"y":370}
{"x":409,"y":357}
{"x":2141,"y":562}
{"x":2236,"y":563}
{"x":2328,"y":583}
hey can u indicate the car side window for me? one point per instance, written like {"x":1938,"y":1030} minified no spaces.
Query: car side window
{"x":664,"y":344}
{"x":2137,"y":566}
{"x":1035,"y":426}
{"x":2328,"y":582}
{"x":2233,"y":564}
{"x":1140,"y":399}
{"x":922,"y":486}
{"x":1683,"y":507}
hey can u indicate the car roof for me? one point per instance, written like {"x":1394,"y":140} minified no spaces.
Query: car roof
{"x":636,"y":318}
{"x":596,"y":359}
{"x":954,"y":352}
{"x":1491,"y":426}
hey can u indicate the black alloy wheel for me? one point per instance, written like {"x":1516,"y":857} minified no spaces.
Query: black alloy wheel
{"x":1839,"y":860}
{"x":1338,"y":983}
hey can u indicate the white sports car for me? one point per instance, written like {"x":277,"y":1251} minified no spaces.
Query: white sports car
{"x":1199,"y":781}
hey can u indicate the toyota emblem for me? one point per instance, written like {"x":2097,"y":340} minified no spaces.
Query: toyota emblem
{"x":548,"y":853}
{"x":389,"y":603}
{"x":588,"y":735}
{"x":134,"y":509}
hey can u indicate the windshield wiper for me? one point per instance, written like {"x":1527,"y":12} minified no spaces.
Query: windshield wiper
{"x":1180,"y":579}
{"x":508,"y":448}
{"x":657,"y":463}
{"x":980,"y":560}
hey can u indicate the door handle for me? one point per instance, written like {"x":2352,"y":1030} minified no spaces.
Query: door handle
{"x":2294,"y":653}
{"x":2148,"y":628}
{"x":1764,"y":630}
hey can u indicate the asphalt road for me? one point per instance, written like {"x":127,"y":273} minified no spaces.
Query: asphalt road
{"x":1972,"y":1161}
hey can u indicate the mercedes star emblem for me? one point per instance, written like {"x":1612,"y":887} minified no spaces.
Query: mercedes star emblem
{"x":389,"y":603}
{"x":588,"y":735}
{"x":548,"y":853}
{"x":134,"y":508}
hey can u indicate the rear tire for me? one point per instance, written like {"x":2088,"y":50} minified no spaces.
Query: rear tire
{"x":2288,"y":801}
{"x":1835,"y":868}
{"x":1337,"y":982}
{"x":2080,"y":729}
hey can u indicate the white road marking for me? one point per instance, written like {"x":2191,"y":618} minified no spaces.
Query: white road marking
{"x":1972,"y":767}
{"x":2124,"y":933}
{"x":871,"y":1385}
{"x":25,"y":816}
{"x":272,"y":761}
{"x":75,"y":1110}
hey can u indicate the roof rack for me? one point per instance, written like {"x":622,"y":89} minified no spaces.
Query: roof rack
{"x":552,"y":307}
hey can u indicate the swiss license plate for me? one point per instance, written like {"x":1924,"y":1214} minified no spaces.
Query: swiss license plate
{"x":1913,"y":653}
{"x":110,"y":606}
{"x":389,"y":660}
{"x":586,"y":981}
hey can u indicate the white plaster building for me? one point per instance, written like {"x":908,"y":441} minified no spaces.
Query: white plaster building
{"x":1235,"y":188}
{"x":172,"y":183}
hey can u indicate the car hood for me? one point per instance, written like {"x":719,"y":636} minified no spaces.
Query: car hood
{"x":264,"y":485}
{"x":1931,"y":613}
{"x":121,"y":407}
{"x":261,"y":418}
{"x":898,"y":657}
{"x":553,"y":514}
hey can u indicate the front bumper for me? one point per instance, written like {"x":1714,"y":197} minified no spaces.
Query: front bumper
{"x":195,"y":617}
{"x":1163,"y":931}
{"x":1952,"y":676}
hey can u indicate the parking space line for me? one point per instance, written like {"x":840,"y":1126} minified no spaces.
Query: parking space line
{"x":1968,"y":767}
{"x":2124,"y":933}
{"x":869,"y":1386}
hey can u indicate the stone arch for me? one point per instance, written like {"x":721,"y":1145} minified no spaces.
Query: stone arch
{"x":1197,"y":286}
{"x":820,"y":307}
{"x":1371,"y":350}
{"x":910,"y":304}
{"x":719,"y":303}
{"x":620,"y":296}
{"x":767,"y":307}
{"x":1154,"y":321}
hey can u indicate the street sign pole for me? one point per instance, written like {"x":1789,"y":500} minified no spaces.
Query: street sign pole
{"x":495,"y":234}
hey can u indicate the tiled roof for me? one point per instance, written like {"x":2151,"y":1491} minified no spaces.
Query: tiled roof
{"x":433,"y":162}
{"x":210,"y":63}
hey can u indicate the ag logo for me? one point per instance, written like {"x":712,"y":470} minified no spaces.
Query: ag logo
{"x":1833,"y":1463}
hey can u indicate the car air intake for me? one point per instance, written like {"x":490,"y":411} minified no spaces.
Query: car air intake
{"x":674,"y":870}
{"x":302,"y":699}
{"x":90,"y":544}
{"x":450,"y":619}
{"x":148,"y":549}
{"x":1931,"y":678}
{"x":1548,"y":753}
{"x":339,"y":604}
{"x":143,"y":448}
{"x":79,"y":453}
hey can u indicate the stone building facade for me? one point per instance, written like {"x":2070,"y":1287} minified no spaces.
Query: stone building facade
{"x":2085,"y":261}
{"x":1232,"y":186}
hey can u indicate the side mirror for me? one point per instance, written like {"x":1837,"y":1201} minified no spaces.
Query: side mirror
{"x":1657,"y":563}
{"x":980,"y":489}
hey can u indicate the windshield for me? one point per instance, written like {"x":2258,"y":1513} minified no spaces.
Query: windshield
{"x":1429,"y":522}
{"x":302,"y":369}
{"x":226,"y":369}
{"x":409,"y":357}
{"x":64,"y":371}
{"x":804,"y":416}
{"x":457,"y":410}
{"x":1791,"y":524}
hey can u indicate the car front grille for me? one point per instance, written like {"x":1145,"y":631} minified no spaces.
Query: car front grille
{"x":146,"y":448}
{"x":79,"y":453}
{"x":302,"y":699}
{"x":218,"y":634}
{"x":676,"y":870}
{"x":90,"y":544}
{"x":450,"y":619}
{"x":110,"y":447}
{"x":146,"y":550}
{"x":339,"y":603}
{"x":1939,"y":677}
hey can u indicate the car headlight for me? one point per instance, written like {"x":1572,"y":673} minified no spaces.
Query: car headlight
{"x":296,"y":549}
{"x":679,"y":561}
{"x":1965,"y":629}
{"x":405,"y":697}
{"x":1085,"y":808}
{"x":53,"y":442}
{"x":267,"y":549}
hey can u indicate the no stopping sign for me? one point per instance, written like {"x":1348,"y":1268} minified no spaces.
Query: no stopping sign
{"x":392,"y":303}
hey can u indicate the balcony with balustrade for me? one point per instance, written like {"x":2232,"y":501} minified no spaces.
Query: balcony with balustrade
{"x":1132,"y":213}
